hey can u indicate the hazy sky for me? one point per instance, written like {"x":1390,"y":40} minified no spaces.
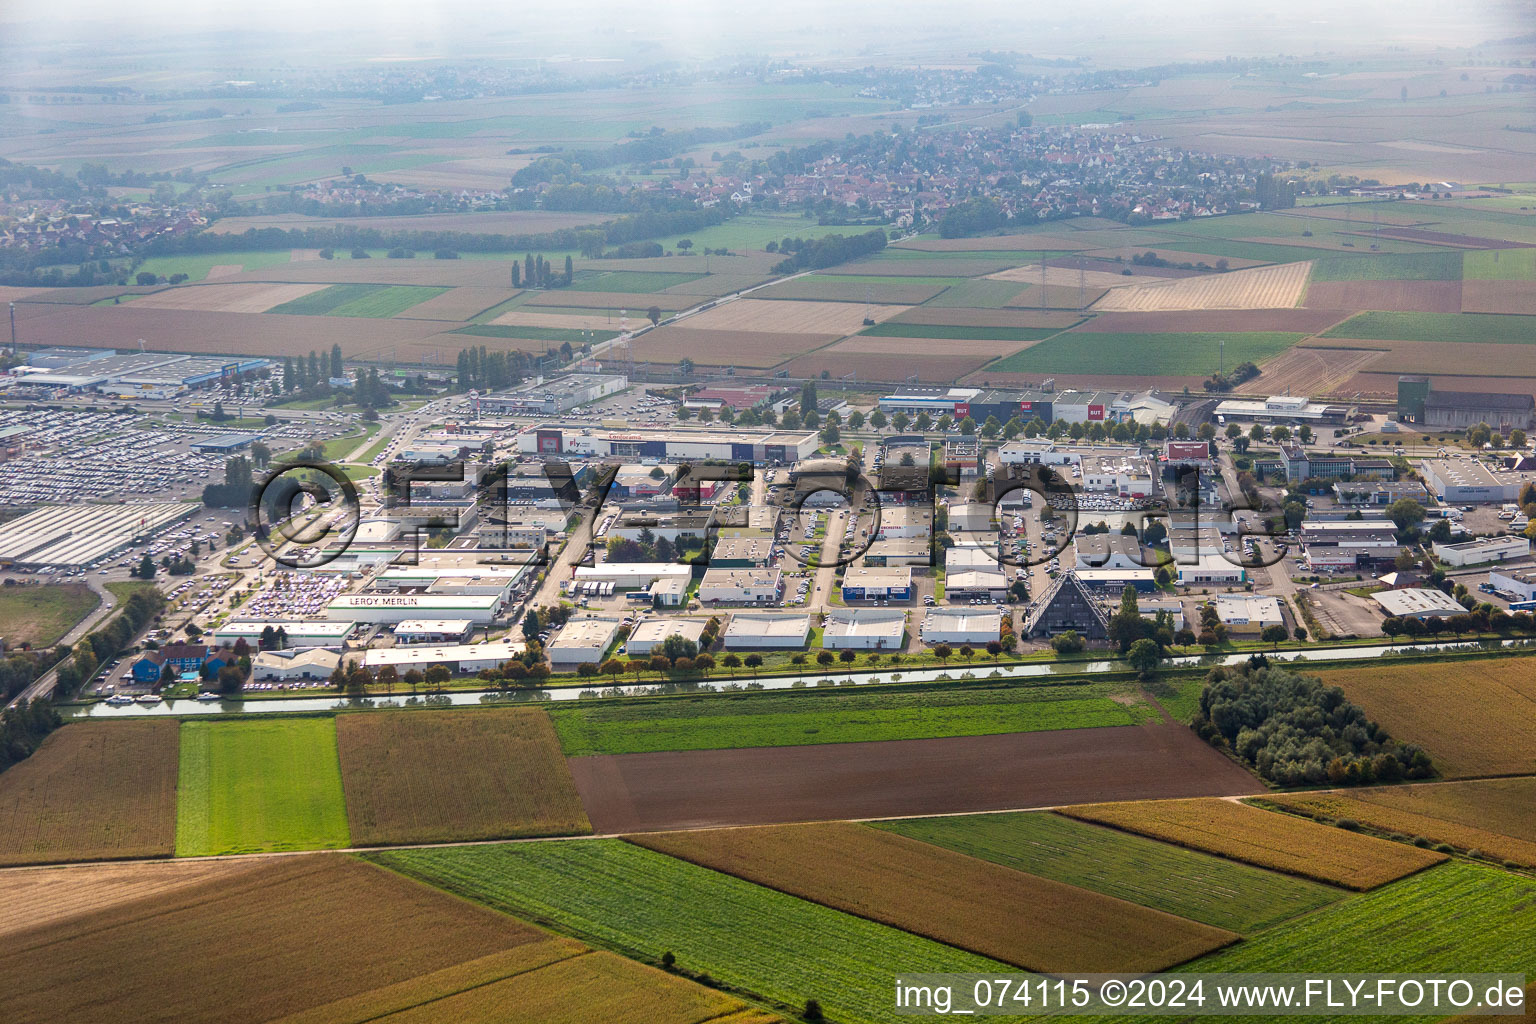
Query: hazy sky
{"x":1184,"y":29}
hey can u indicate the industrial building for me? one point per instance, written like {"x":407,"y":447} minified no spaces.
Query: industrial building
{"x":741,"y":586}
{"x":1107,"y":551}
{"x":1519,"y":582}
{"x":1341,"y":545}
{"x":297,"y":633}
{"x":650,"y":633}
{"x":581,"y":641}
{"x":224,"y":444}
{"x":1247,"y":614}
{"x":761,"y":630}
{"x":976,"y":585}
{"x":627,"y":576}
{"x":741,"y":553}
{"x":962,"y":626}
{"x":765,"y":446}
{"x":1210,"y":568}
{"x":901,"y":551}
{"x":1482,"y":550}
{"x":865,"y":629}
{"x":460,"y":659}
{"x":674,"y":527}
{"x":1150,"y":610}
{"x":865,"y":583}
{"x":554,"y":396}
{"x":450,"y":580}
{"x":143,"y":374}
{"x":1112,"y":582}
{"x":1045,"y":404}
{"x":392,"y":609}
{"x":433,"y":631}
{"x":1383,"y":492}
{"x":970,"y":517}
{"x":899,"y":522}
{"x":1457,"y":481}
{"x":1298,"y":464}
{"x":1418,"y":402}
{"x":1284,"y":409}
{"x":78,"y":535}
{"x":312,"y":664}
{"x":1423,"y":603}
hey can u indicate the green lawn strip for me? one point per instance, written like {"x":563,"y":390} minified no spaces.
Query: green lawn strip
{"x":259,"y":786}
{"x":197,"y":265}
{"x":764,"y":944}
{"x":1195,"y":885}
{"x":960,"y":333}
{"x":372,"y":451}
{"x":551,"y":334}
{"x":1484,"y":328}
{"x":977,"y":293}
{"x":324,"y":301}
{"x":1418,"y":266}
{"x":390,"y":301}
{"x":830,"y":715}
{"x":1218,"y":247}
{"x":1456,"y":916}
{"x":595,"y":279}
{"x":1146,"y":354}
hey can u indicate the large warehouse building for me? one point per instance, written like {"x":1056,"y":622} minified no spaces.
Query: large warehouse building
{"x":865,"y":629}
{"x":1419,"y":402}
{"x":78,"y":535}
{"x":763,"y":630}
{"x":553,"y":397}
{"x":391,"y":609}
{"x":767,"y":446}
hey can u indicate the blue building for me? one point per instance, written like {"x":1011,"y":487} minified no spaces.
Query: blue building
{"x":868,"y":583}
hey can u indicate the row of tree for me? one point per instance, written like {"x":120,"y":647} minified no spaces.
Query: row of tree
{"x":110,"y":640}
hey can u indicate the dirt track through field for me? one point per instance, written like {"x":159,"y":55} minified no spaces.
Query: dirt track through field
{"x":1310,"y":371}
{"x":900,"y":778}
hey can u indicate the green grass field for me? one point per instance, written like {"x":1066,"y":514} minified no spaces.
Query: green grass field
{"x":764,"y":944}
{"x":889,"y":330}
{"x":259,"y":786}
{"x":1486,"y":328}
{"x":1476,"y":918}
{"x":830,"y":715}
{"x":41,"y":615}
{"x":553,"y":335}
{"x":1198,"y":886}
{"x":365,"y":300}
{"x":978,"y":293}
{"x":1145,"y":354}
{"x":1422,"y":266}
{"x":753,"y":231}
{"x":1499,"y":265}
{"x":595,"y":280}
{"x":197,"y":265}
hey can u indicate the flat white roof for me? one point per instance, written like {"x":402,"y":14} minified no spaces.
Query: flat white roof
{"x":866,"y":622}
{"x":585,"y":633}
{"x":768,"y":625}
{"x":1423,"y":601}
{"x":962,"y":618}
{"x":431,"y":654}
{"x":432,"y":626}
{"x":293,"y":627}
{"x":655,"y":630}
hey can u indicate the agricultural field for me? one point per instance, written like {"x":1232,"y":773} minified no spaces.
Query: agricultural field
{"x":828,"y":288}
{"x":41,"y":615}
{"x":958,"y":332}
{"x":635,"y":303}
{"x":283,"y":917}
{"x":1478,"y":719}
{"x":1264,"y":838}
{"x":544,"y":318}
{"x":837,"y":716}
{"x":259,"y":786}
{"x":946,"y":269}
{"x":1407,"y":927}
{"x":1088,"y":352}
{"x":977,"y":294}
{"x":458,"y":304}
{"x":959,"y":900}
{"x":934,"y":313}
{"x":485,"y":222}
{"x":1500,"y":265}
{"x":756,"y":349}
{"x":669,"y":790}
{"x":1425,"y":266}
{"x":892,"y":359}
{"x":361,"y":300}
{"x":1192,"y":885}
{"x":766,"y":945}
{"x":455,"y":775}
{"x":214,"y":265}
{"x":1275,"y":287}
{"x":92,"y":791}
{"x":1479,"y":296}
{"x":993,"y":243}
{"x":1463,"y":328}
{"x":40,"y":896}
{"x":1467,"y":815}
{"x":549,"y":337}
{"x":789,"y":317}
{"x":629,"y":281}
{"x":1392,"y":295}
{"x":227,"y":298}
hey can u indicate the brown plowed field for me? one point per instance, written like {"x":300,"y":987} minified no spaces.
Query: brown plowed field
{"x":789,"y":317}
{"x":497,"y":774}
{"x":1085,"y":381}
{"x":227,"y":298}
{"x":724,"y":347}
{"x":1442,"y":238}
{"x":928,"y":368}
{"x":965,"y":902}
{"x":595,"y":320}
{"x":1310,"y":371}
{"x":1304,"y":321}
{"x":1470,"y":358}
{"x":994,"y":243}
{"x":195,"y":333}
{"x":1409,"y":296}
{"x":1057,"y":296}
{"x":1385,"y":384}
{"x":1060,"y":277}
{"x":874,"y":345}
{"x":962,"y":317}
{"x":899,"y":778}
{"x":93,"y":791}
{"x":830,"y":289}
{"x":40,"y":896}
{"x":1265,"y":838}
{"x":458,"y":303}
{"x":1498,"y":297}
